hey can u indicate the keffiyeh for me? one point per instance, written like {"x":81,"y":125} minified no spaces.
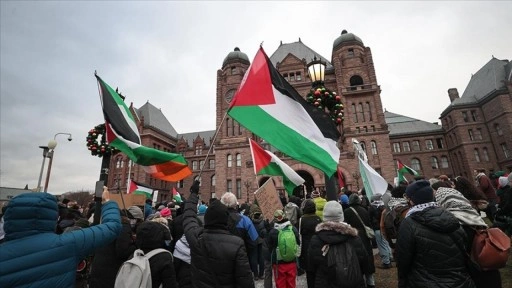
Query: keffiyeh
{"x":453,"y":201}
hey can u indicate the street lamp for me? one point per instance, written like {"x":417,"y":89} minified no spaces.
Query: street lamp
{"x":247,"y":184}
{"x":45,"y":154}
{"x":316,"y":70}
{"x":51,"y":147}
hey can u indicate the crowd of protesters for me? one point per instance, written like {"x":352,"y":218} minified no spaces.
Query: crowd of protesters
{"x":416,"y":228}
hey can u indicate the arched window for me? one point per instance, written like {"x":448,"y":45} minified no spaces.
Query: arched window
{"x":477,"y":155}
{"x":356,"y":80}
{"x":416,"y":164}
{"x":363,"y":146}
{"x":230,"y":160}
{"x":374,"y":147}
{"x":213,"y":180}
{"x":435,"y":163}
{"x":238,"y":160}
{"x":444,"y":162}
{"x":486,"y":154}
{"x":354,"y":112}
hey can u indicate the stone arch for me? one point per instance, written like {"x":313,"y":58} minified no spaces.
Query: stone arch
{"x":308,"y":184}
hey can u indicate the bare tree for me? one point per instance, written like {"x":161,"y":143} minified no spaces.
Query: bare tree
{"x":82,"y":198}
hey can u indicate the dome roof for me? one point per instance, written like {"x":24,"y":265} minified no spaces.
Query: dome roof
{"x":236,"y":55}
{"x":346,"y":37}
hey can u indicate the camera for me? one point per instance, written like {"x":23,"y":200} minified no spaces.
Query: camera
{"x":69,"y":138}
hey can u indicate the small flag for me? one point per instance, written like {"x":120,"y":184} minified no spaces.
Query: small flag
{"x":176,"y":195}
{"x":267,"y":105}
{"x":266,"y":163}
{"x":137,"y":188}
{"x":372,"y":181}
{"x":122,"y":133}
{"x":402,"y":169}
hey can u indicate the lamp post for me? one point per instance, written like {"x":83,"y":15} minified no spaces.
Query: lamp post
{"x":45,"y":154}
{"x":316,"y":71}
{"x":247,"y":184}
{"x":51,"y":146}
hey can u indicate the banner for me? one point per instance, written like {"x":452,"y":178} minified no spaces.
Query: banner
{"x":129,"y":200}
{"x":268,"y":199}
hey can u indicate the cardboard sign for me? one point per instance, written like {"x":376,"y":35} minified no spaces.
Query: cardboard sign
{"x":129,"y":200}
{"x":268,"y":199}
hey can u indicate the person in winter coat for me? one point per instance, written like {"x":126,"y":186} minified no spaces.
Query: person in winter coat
{"x":484,"y":183}
{"x":109,"y":258}
{"x":256,"y":257}
{"x":351,"y":218}
{"x":319,"y":203}
{"x":454,"y":202}
{"x":150,"y":236}
{"x":333,"y":231}
{"x":218,"y":258}
{"x":307,"y":225}
{"x":503,"y":217}
{"x":427,"y":250}
{"x":375,"y":212}
{"x":34,"y":256}
{"x":285,"y":272}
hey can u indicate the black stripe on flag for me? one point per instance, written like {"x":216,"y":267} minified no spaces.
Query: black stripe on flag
{"x":321,"y":119}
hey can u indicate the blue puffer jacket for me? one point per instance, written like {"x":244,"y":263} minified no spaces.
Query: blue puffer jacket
{"x":34,"y":256}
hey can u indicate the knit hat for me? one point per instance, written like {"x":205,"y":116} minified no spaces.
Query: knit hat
{"x":420,"y":192}
{"x":166,"y":212}
{"x":201,"y":210}
{"x":503,"y":181}
{"x":354,"y":199}
{"x":82,"y":223}
{"x":333,"y":212}
{"x":136,"y":212}
{"x":216,"y":216}
{"x":309,"y":207}
{"x":315,"y":194}
{"x":344,"y":199}
{"x":279,"y":215}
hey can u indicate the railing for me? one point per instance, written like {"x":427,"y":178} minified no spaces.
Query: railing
{"x":359,"y":88}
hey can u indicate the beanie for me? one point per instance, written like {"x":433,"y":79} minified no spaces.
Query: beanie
{"x":309,"y":207}
{"x":420,"y":192}
{"x":166,"y":212}
{"x":354,"y":199}
{"x":344,"y":199}
{"x":216,"y":216}
{"x":279,"y":215}
{"x":201,"y":210}
{"x":503,"y":181}
{"x":150,"y":235}
{"x":333,"y":212}
{"x":136,"y":212}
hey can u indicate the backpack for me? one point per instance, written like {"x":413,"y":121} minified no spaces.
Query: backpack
{"x":136,"y":272}
{"x":392,"y":220}
{"x":287,"y":247}
{"x":491,"y":248}
{"x":343,"y":266}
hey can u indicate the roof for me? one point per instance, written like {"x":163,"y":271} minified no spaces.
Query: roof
{"x":299,"y":50}
{"x":346,"y":37}
{"x":236,"y":55}
{"x":154,"y":117}
{"x":190,"y":137}
{"x":485,"y":81}
{"x":402,"y":125}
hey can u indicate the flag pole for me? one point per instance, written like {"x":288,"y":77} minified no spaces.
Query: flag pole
{"x":211,"y":143}
{"x":129,"y":174}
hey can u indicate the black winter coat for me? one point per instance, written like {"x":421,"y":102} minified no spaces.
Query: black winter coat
{"x":352,"y":219}
{"x":333,"y":233}
{"x":108,"y":259}
{"x":219,"y":259}
{"x":426,"y":254}
{"x":375,"y":213}
{"x":183,"y":273}
{"x":308,"y":223}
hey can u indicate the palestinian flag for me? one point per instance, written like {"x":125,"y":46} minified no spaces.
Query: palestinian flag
{"x":137,"y":188}
{"x":373,"y":182}
{"x":266,"y":163}
{"x":122,"y":133}
{"x":176,"y":196}
{"x":402,"y":169}
{"x":267,"y":105}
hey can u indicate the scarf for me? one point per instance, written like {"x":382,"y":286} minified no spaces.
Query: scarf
{"x":420,"y":207}
{"x":395,"y":202}
{"x":453,"y":201}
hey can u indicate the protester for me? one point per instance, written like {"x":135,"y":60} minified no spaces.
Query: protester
{"x":331,"y":233}
{"x":472,"y":193}
{"x":182,"y":260}
{"x":427,"y":250}
{"x":503,"y":217}
{"x":218,"y":258}
{"x":30,"y":222}
{"x":485,"y":185}
{"x":375,"y":212}
{"x":285,"y":270}
{"x":239,"y":224}
{"x":292,"y":210}
{"x":256,"y":257}
{"x":307,"y":226}
{"x":319,"y":203}
{"x":200,"y":212}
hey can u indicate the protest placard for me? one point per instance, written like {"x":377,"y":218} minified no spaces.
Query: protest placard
{"x":268,"y":199}
{"x":129,"y":200}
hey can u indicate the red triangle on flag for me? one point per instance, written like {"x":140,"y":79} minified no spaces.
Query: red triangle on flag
{"x":260,"y":158}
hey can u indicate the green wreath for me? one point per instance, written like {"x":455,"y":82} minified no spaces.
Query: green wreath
{"x":328,"y":101}
{"x":102,"y":148}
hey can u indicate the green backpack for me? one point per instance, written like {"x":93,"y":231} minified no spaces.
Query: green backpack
{"x":287,"y":247}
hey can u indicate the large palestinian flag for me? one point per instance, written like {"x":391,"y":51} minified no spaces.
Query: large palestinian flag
{"x":267,"y":105}
{"x":122,"y":133}
{"x":266,"y":163}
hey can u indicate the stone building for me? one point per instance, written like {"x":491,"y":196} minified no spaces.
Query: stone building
{"x":386,"y":137}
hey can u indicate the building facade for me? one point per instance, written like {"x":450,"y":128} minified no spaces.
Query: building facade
{"x":429,"y":148}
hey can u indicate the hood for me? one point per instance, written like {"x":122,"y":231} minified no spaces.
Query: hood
{"x":437,"y":219}
{"x":335,"y":232}
{"x":30,"y":214}
{"x":280,"y":226}
{"x":150,"y":235}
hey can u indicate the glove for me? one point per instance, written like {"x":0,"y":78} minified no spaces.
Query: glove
{"x":195,"y":187}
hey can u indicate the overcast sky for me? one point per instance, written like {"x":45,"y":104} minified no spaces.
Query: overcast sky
{"x":169,"y":53}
